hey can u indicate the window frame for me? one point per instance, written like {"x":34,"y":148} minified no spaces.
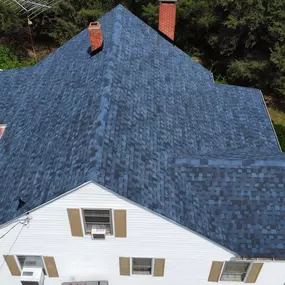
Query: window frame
{"x":236,"y":261}
{"x":111,"y":212}
{"x":141,"y":274}
{"x":23,"y":255}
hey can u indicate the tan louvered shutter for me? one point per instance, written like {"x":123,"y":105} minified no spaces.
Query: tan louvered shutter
{"x":12,"y":265}
{"x":159,"y":264}
{"x":125,"y":267}
{"x":254,"y":272}
{"x":50,"y":266}
{"x":120,"y":217}
{"x":75,"y":222}
{"x":215,"y":271}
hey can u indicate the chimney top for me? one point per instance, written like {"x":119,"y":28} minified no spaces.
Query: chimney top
{"x":94,"y":25}
{"x":96,"y":36}
{"x":2,"y":129}
{"x":167,"y":18}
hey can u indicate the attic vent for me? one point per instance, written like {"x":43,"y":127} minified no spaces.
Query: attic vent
{"x":96,"y":37}
{"x":2,"y":130}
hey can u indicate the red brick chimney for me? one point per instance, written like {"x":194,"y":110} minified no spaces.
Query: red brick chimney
{"x":167,"y":17}
{"x":95,"y":35}
{"x":2,"y":130}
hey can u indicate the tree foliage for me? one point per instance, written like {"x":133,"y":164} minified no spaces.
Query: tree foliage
{"x":242,"y":42}
{"x":8,"y":18}
{"x":9,"y":60}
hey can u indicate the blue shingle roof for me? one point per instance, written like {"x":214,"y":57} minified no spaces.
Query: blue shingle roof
{"x":146,"y":121}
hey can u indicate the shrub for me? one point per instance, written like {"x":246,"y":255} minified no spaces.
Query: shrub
{"x":9,"y":60}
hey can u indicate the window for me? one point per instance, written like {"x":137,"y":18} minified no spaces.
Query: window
{"x":31,"y":261}
{"x":234,"y":271}
{"x":2,"y":130}
{"x":101,"y":219}
{"x":142,"y":266}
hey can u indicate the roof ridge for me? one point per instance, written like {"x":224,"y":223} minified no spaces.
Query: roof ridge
{"x":111,"y":58}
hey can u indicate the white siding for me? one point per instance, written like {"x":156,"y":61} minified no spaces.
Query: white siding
{"x":188,"y":255}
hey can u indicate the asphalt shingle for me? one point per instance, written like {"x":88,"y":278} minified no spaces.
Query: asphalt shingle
{"x":146,"y":121}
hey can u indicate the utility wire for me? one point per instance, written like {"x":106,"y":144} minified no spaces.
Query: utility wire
{"x":23,"y":225}
{"x":23,"y":222}
{"x":10,"y":230}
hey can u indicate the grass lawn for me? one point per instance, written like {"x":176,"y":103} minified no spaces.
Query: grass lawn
{"x":276,"y":116}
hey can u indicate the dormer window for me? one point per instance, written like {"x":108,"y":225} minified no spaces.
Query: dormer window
{"x":2,"y":130}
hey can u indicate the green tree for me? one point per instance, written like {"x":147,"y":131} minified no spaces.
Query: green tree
{"x":9,"y":60}
{"x":240,"y":41}
{"x":9,"y":19}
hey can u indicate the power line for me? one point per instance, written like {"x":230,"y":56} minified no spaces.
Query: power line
{"x":10,"y":230}
{"x":23,"y":222}
{"x":11,"y":247}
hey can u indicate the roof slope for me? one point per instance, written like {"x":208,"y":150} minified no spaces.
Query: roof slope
{"x":244,"y":193}
{"x":123,"y":118}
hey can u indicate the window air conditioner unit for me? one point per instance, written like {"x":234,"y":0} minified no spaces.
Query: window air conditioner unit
{"x":98,"y":233}
{"x":32,"y":276}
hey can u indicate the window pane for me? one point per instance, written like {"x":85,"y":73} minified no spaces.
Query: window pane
{"x":106,"y":227}
{"x":142,"y":261}
{"x":100,"y":219}
{"x":142,"y":266}
{"x":238,"y":267}
{"x":97,"y":213}
{"x":21,"y":260}
{"x":97,"y":219}
{"x":31,"y":261}
{"x":235,"y":271}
